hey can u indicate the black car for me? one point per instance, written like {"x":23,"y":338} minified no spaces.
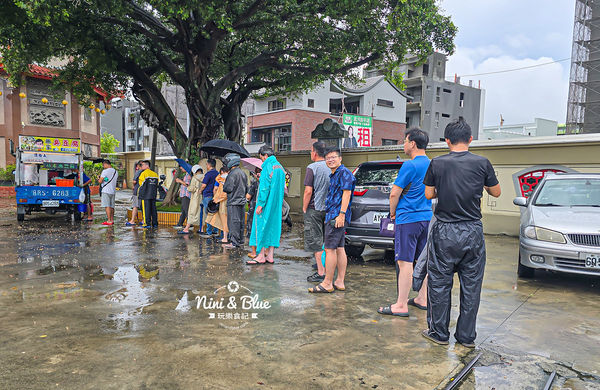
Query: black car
{"x":374,"y":181}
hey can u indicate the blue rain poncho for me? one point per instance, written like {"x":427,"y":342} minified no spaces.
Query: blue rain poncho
{"x":266,"y":226}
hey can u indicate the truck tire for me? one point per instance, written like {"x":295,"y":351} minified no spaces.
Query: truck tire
{"x":20,"y":217}
{"x":523,"y":271}
{"x":354,"y":250}
{"x":77,"y":216}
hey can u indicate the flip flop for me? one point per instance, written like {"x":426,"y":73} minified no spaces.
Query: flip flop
{"x":412,"y":302}
{"x":270,"y":262}
{"x":254,"y":262}
{"x":249,"y":254}
{"x":319,"y":289}
{"x":387,"y":310}
{"x":338,"y":288}
{"x":183,"y":232}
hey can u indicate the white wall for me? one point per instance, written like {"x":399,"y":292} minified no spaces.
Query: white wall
{"x":384,"y":90}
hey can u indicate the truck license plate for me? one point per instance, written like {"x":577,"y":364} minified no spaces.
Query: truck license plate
{"x":591,"y":260}
{"x":50,"y":203}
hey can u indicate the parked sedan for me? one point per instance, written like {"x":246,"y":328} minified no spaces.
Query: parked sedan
{"x":560,"y":225}
{"x":374,"y":181}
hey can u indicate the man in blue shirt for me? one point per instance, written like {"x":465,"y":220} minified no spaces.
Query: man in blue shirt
{"x":412,"y":213}
{"x":337,"y":216}
{"x":208,"y":185}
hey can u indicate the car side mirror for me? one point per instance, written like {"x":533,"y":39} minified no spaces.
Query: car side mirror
{"x":520,"y":201}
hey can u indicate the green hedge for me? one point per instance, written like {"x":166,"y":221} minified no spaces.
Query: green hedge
{"x":6,"y":174}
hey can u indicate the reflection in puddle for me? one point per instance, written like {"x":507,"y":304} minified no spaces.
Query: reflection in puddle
{"x":131,"y":298}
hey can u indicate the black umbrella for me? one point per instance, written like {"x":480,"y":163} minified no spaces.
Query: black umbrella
{"x":220,"y":147}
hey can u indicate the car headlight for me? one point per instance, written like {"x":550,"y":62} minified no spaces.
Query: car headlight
{"x":538,"y":233}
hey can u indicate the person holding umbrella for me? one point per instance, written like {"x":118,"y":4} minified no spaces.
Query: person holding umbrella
{"x":195,"y":208}
{"x":235,"y":187}
{"x":266,"y":224}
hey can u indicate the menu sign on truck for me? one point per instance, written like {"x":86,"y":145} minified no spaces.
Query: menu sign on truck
{"x":49,"y":144}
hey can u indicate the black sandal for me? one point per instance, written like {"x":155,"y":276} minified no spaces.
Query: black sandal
{"x":318,"y":289}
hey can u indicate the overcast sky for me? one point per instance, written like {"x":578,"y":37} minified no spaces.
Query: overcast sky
{"x":496,"y":35}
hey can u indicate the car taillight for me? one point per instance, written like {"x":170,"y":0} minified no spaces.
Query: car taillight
{"x":360,"y":192}
{"x":22,"y":200}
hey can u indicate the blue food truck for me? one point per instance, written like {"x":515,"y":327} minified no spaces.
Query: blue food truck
{"x":48,"y":176}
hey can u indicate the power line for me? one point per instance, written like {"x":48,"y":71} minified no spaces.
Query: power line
{"x":514,"y":69}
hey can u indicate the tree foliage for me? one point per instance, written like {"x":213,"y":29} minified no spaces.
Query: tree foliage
{"x":219,"y":51}
{"x":108,"y":143}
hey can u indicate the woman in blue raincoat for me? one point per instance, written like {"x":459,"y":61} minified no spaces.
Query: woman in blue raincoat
{"x":266,"y":223}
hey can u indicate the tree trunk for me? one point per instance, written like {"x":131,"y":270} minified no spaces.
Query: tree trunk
{"x":153,"y":149}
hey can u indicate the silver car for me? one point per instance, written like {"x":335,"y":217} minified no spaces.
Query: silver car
{"x":560,"y":225}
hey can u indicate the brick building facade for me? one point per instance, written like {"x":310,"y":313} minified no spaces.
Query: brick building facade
{"x":36,"y":110}
{"x":286,"y":122}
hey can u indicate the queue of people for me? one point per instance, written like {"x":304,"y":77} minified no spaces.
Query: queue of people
{"x":439,"y":239}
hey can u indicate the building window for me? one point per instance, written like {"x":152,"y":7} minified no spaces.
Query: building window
{"x":385,"y":103}
{"x":428,"y":87}
{"x":437,"y":94}
{"x":386,"y":142}
{"x":87,"y":115}
{"x":437,"y":120}
{"x":311,"y":103}
{"x":445,"y":115}
{"x":461,"y":100}
{"x":278,"y":104}
{"x":425,"y":69}
{"x":447,"y":90}
{"x":427,"y":112}
{"x":131,"y":135}
{"x":284,"y":139}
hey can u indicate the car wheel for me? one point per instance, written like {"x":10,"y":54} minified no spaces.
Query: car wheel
{"x":354,"y":250}
{"x":389,"y":257}
{"x":523,"y":271}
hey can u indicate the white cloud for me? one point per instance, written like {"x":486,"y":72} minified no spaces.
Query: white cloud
{"x":520,"y":96}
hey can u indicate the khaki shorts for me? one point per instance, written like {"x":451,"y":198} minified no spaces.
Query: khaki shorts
{"x":108,"y":200}
{"x":314,"y":222}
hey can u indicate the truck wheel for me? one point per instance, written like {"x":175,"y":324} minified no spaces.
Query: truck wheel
{"x":77,"y":216}
{"x":20,"y":217}
{"x":354,"y":250}
{"x":523,"y":271}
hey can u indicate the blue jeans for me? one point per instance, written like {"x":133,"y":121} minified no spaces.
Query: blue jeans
{"x":205,"y":200}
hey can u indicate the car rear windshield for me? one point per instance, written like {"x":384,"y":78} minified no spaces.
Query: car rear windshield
{"x":377,"y":175}
{"x":569,"y":192}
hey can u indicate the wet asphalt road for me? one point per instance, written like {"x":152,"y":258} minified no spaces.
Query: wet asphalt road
{"x":91,"y":307}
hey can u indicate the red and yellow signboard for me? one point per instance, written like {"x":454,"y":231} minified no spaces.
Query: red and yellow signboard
{"x":49,"y":144}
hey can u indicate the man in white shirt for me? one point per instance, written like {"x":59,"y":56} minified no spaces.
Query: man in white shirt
{"x":108,"y":184}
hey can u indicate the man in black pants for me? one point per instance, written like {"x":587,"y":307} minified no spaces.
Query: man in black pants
{"x":236,"y":186}
{"x":148,"y":181}
{"x":456,"y":243}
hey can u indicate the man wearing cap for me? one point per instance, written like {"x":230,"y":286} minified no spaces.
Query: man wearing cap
{"x":236,"y":187}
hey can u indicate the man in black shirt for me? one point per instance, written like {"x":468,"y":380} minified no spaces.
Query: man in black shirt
{"x":456,"y":243}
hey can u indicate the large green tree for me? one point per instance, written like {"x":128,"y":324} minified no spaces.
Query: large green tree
{"x":219,"y":51}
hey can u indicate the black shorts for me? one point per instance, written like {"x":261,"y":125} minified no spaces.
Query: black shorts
{"x":334,"y":237}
